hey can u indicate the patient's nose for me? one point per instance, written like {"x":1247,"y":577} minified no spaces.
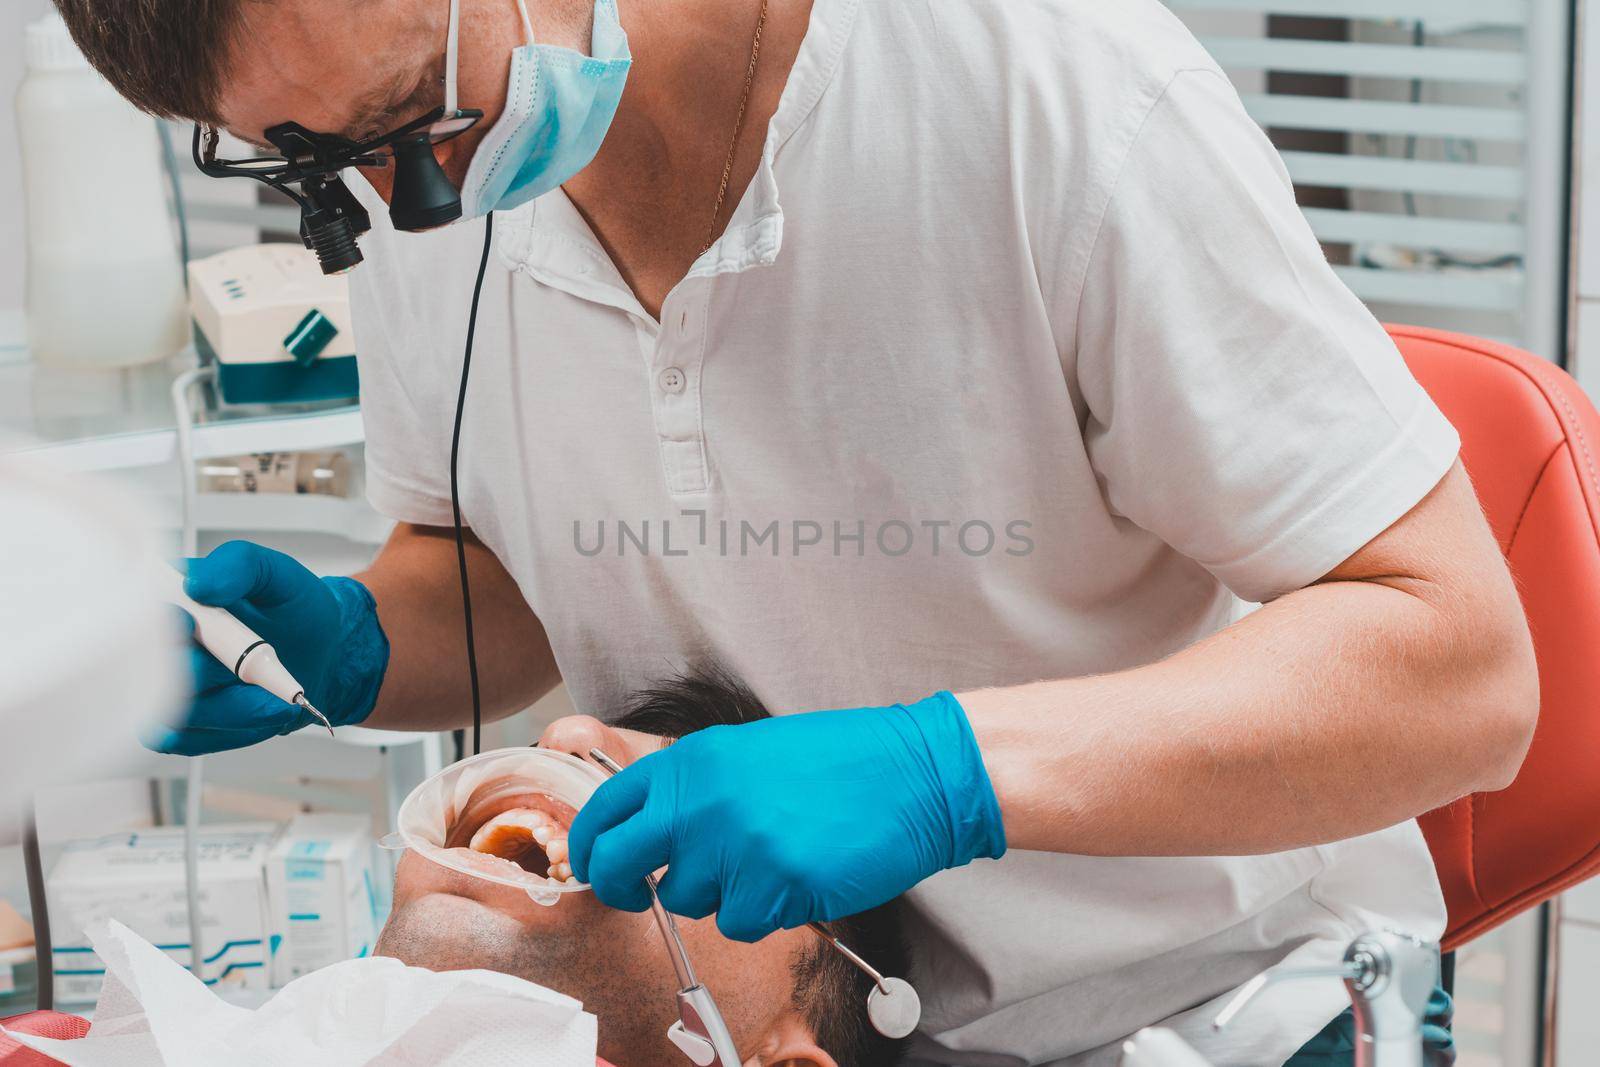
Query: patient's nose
{"x":577,"y":734}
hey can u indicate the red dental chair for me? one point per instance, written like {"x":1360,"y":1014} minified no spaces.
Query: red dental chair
{"x":1531,"y":442}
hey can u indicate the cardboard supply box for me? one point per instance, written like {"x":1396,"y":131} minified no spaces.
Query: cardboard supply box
{"x":137,"y":878}
{"x":323,"y":889}
{"x":17,"y":971}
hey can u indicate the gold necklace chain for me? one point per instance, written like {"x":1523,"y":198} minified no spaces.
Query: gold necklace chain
{"x":738,"y":126}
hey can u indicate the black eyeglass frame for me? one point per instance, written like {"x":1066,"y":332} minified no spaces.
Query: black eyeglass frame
{"x":309,"y":154}
{"x":331,"y":218}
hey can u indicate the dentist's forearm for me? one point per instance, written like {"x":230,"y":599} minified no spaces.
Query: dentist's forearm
{"x":1339,"y":709}
{"x":416,"y":584}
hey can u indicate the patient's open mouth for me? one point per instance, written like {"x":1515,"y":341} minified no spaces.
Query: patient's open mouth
{"x":529,"y":838}
{"x":527,"y":829}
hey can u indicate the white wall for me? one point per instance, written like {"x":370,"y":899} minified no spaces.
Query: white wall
{"x":1585,"y":354}
{"x":14,"y":15}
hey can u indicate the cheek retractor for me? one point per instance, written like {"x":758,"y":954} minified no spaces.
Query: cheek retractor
{"x":522,"y":802}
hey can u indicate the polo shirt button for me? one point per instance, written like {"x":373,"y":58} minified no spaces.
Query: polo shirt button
{"x":673,"y":380}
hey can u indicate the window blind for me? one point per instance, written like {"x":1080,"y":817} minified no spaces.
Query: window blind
{"x":1428,"y":141}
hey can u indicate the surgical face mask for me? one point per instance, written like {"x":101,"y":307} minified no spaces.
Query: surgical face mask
{"x":559,"y":105}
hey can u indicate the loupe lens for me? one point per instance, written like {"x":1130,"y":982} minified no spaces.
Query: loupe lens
{"x":445,"y":129}
{"x":423,"y":198}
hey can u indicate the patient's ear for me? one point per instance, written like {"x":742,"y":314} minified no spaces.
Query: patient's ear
{"x":789,"y":1042}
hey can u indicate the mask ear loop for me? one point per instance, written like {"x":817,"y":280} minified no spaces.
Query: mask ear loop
{"x":527,"y":23}
{"x":452,"y":57}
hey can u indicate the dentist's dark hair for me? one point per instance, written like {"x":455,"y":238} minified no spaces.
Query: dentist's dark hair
{"x":165,"y":56}
{"x":829,"y":993}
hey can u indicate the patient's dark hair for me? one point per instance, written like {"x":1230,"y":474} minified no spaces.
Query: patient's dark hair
{"x":829,"y":992}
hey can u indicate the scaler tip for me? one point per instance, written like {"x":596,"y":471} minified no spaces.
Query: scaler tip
{"x":313,"y":712}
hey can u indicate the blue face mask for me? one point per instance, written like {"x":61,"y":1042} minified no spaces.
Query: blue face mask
{"x":559,"y":105}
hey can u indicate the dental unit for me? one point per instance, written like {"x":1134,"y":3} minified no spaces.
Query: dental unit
{"x":1389,"y":976}
{"x":522,"y":802}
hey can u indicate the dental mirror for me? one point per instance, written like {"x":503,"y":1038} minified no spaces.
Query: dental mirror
{"x":893,"y":1008}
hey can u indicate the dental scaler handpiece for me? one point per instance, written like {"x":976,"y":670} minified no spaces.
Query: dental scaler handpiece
{"x":238,"y":647}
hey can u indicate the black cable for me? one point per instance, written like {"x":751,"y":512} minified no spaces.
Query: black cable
{"x":43,"y":954}
{"x":455,"y":489}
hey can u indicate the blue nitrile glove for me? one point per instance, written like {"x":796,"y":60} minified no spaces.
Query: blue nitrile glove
{"x":776,"y":823}
{"x":325,"y":631}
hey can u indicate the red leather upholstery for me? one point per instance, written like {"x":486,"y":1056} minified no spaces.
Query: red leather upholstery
{"x":53,"y":1024}
{"x":1531,"y":442}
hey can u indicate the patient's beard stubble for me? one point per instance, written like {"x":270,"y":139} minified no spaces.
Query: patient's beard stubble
{"x":618,"y":979}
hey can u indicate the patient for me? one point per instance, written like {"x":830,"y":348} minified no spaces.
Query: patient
{"x":787,"y":1000}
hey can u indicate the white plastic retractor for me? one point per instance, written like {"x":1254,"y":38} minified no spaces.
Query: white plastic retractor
{"x":698,"y":1049}
{"x":548,"y":897}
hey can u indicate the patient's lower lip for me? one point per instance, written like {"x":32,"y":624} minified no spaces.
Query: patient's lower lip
{"x":489,"y":864}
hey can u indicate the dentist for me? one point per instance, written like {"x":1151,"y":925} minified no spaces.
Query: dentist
{"x":887,"y":348}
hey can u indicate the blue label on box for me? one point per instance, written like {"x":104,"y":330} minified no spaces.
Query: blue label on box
{"x":305,"y":870}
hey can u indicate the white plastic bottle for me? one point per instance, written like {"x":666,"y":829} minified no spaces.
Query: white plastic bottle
{"x":103,"y":281}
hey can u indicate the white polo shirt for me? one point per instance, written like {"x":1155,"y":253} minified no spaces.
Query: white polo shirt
{"x":1017,"y":361}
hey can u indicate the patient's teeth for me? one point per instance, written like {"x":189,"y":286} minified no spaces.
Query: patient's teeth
{"x":561,"y":871}
{"x":508,"y":833}
{"x":555,"y":848}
